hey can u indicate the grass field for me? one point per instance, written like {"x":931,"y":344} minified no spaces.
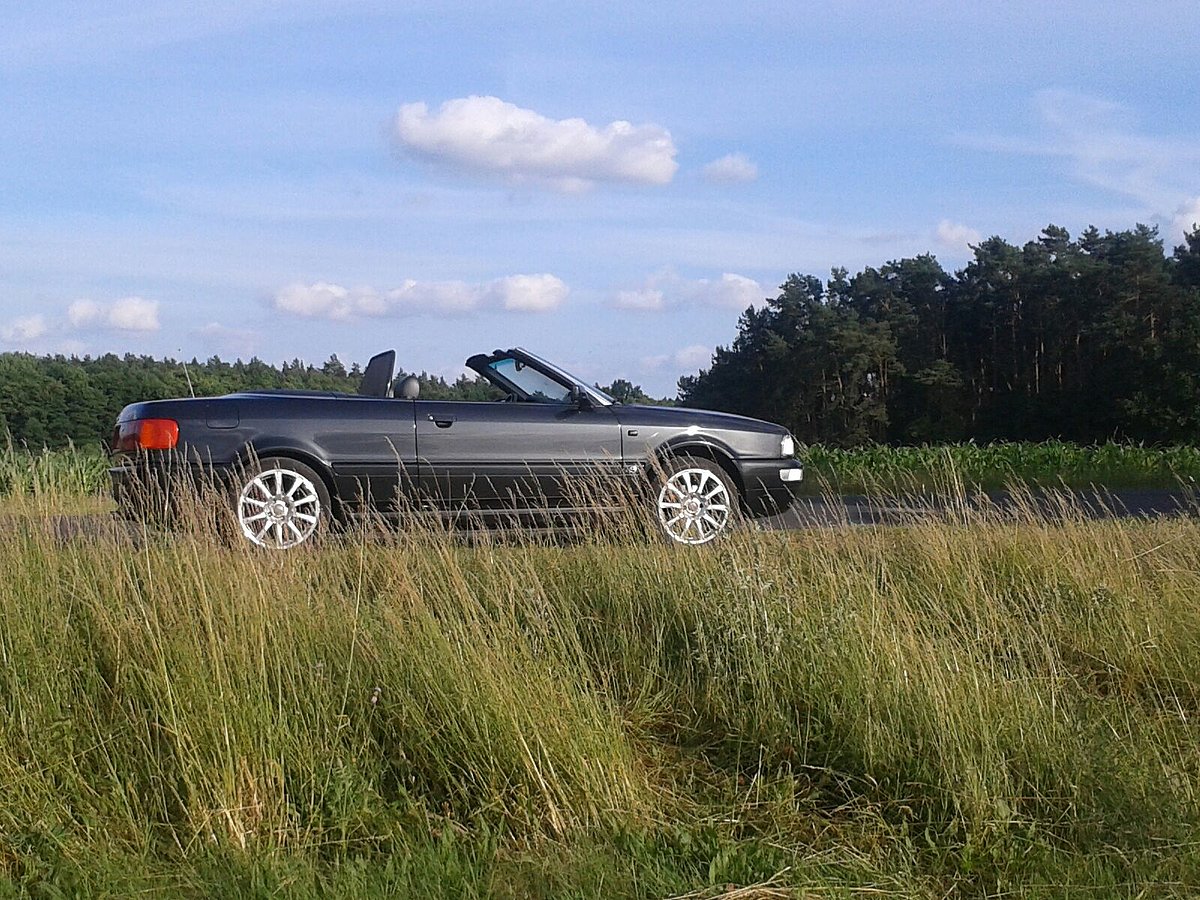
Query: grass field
{"x":961,"y":707}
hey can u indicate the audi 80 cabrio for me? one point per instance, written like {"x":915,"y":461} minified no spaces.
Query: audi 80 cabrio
{"x":296,"y":463}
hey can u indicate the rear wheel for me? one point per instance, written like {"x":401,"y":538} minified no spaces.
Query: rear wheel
{"x":282,"y":504}
{"x":696,"y":501}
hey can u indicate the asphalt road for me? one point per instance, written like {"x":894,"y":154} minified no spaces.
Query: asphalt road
{"x":823,"y":512}
{"x":808,"y":512}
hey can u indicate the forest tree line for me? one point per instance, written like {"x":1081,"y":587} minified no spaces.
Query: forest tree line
{"x":1088,"y":340}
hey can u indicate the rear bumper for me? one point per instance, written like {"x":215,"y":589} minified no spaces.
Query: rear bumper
{"x":151,"y":485}
{"x":770,"y":485}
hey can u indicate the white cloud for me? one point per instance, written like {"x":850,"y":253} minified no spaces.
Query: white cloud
{"x":24,"y":329}
{"x":238,"y":341}
{"x":643,"y":298}
{"x":665,"y":289}
{"x":530,"y":293}
{"x":1187,"y":217}
{"x":689,"y":358}
{"x":71,"y":347}
{"x":83,"y":313}
{"x":486,"y":134}
{"x":133,"y":314}
{"x":319,"y":300}
{"x":125,"y":314}
{"x":956,"y":236}
{"x":1103,"y":148}
{"x":1100,"y":145}
{"x":730,"y":290}
{"x":734,"y":168}
{"x":693,"y":357}
{"x":439,"y":297}
{"x":516,"y":293}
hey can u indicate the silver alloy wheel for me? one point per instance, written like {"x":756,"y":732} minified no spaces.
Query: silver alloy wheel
{"x":694,"y":506}
{"x":279,"y":508}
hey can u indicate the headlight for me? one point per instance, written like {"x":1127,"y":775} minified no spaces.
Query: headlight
{"x":787,"y":446}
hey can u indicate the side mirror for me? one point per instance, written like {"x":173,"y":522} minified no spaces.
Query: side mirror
{"x":580,"y":397}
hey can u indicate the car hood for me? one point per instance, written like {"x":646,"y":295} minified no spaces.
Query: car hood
{"x":682,"y":417}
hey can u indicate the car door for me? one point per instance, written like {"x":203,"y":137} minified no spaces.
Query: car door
{"x":513,"y":455}
{"x":372,"y":448}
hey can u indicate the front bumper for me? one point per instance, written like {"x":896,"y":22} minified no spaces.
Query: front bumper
{"x":770,"y":485}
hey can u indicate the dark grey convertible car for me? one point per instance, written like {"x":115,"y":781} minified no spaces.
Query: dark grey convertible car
{"x":295,"y":462}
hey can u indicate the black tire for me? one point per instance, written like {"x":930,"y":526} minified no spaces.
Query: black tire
{"x":694,"y":501}
{"x":280,"y":503}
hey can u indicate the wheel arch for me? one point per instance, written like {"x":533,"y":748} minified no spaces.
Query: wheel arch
{"x":250,"y":453}
{"x":705,"y":449}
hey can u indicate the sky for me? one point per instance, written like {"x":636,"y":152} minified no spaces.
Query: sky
{"x":608,"y":184}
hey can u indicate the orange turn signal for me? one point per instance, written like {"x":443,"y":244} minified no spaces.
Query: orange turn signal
{"x":147,"y":434}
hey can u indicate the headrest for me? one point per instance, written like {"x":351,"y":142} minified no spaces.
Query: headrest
{"x":378,"y":376}
{"x":408,"y":388}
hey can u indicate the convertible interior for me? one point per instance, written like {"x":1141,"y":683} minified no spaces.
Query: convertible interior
{"x":518,"y":374}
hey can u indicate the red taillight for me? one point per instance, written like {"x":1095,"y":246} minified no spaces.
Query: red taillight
{"x":147,"y":434}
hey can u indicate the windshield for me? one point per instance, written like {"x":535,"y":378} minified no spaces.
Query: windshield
{"x":597,"y":395}
{"x":530,"y":381}
{"x":531,"y":378}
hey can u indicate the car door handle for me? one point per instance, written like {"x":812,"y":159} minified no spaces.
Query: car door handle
{"x":442,"y":421}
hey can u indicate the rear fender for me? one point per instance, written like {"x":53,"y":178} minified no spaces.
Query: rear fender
{"x":251,"y":453}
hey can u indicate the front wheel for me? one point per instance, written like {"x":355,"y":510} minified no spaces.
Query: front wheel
{"x":282,"y":504}
{"x":697,"y":501}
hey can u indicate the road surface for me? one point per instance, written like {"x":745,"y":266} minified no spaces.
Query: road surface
{"x":807,"y":512}
{"x":820,"y":512}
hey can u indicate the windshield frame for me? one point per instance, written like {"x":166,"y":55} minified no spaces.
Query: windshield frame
{"x":483,"y":365}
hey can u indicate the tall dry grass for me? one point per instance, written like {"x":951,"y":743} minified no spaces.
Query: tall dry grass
{"x":981,"y":701}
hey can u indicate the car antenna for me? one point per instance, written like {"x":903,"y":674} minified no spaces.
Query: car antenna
{"x":183,"y":362}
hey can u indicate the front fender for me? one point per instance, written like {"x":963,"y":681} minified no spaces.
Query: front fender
{"x":683,"y":444}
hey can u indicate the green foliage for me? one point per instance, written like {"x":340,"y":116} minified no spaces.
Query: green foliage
{"x":628,"y":392}
{"x":53,"y":474}
{"x":877,"y":468}
{"x":1085,"y":340}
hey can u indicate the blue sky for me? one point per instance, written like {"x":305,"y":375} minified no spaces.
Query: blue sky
{"x":607,"y":183}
